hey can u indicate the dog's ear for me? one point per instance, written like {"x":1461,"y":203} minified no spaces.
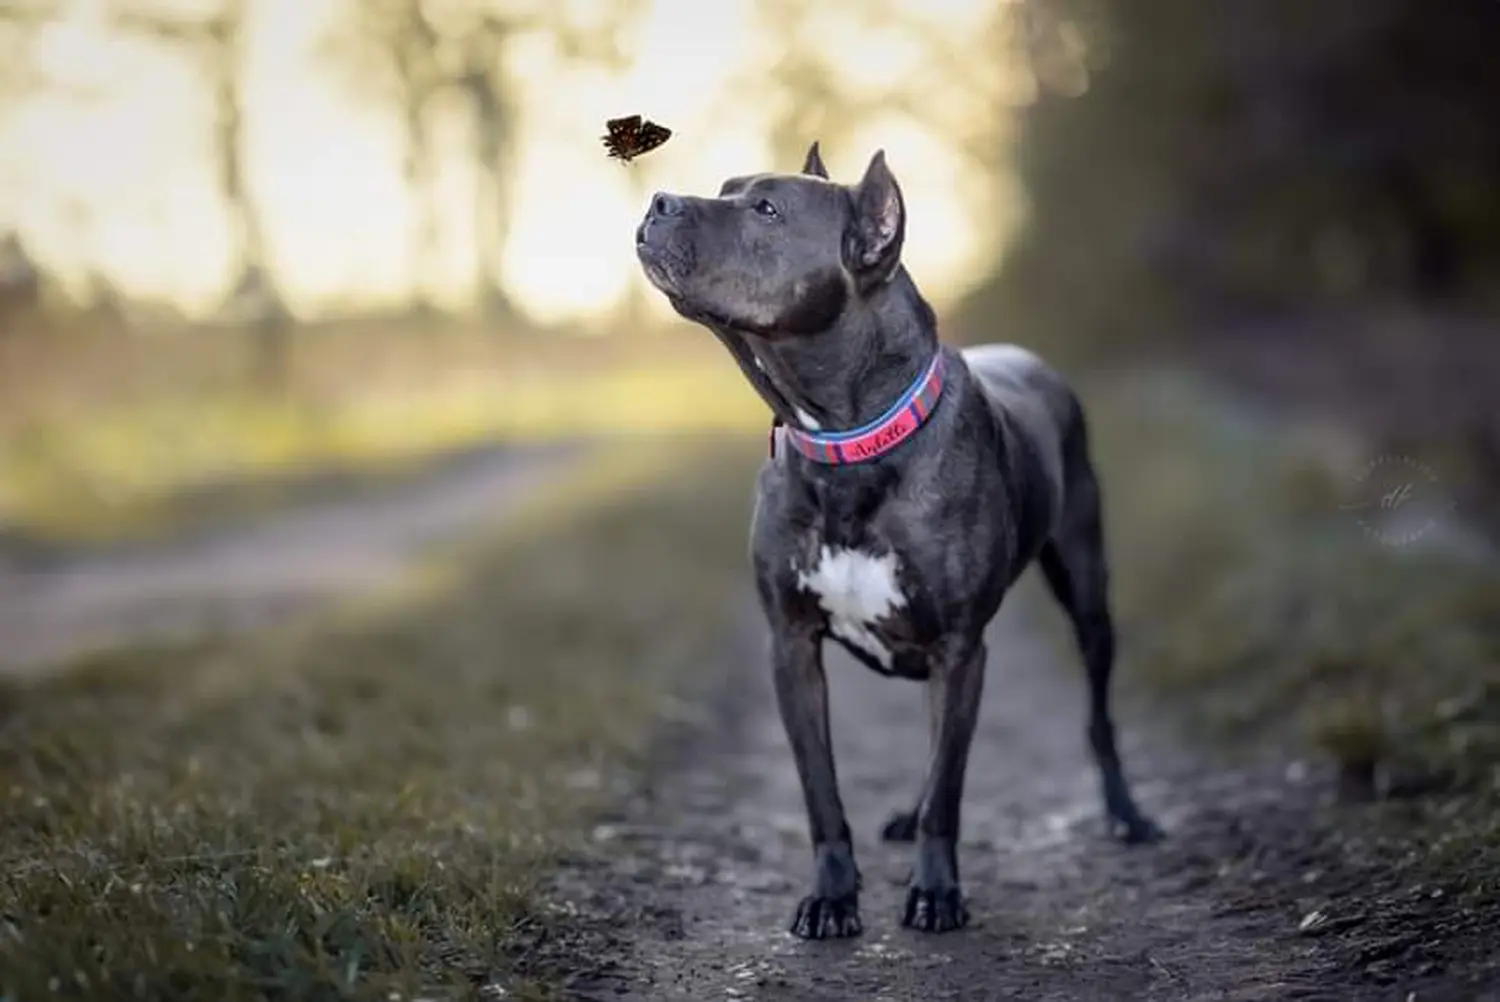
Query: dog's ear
{"x":873,"y":245}
{"x":814,"y":163}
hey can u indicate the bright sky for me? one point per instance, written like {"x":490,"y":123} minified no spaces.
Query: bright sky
{"x":111,"y":170}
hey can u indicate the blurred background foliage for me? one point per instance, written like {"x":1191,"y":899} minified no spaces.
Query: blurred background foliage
{"x":1295,"y":196}
{"x":1236,"y":158}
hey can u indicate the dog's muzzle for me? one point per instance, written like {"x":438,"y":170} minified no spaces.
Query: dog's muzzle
{"x":657,"y":243}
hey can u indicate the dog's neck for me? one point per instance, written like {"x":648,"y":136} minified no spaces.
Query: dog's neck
{"x":849,"y":375}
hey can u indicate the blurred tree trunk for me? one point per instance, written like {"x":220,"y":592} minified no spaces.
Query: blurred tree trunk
{"x":388,"y":51}
{"x":414,"y":49}
{"x":406,"y":54}
{"x":20,"y":278}
{"x":218,"y":44}
{"x":20,"y":285}
{"x":483,"y":84}
{"x":417,"y":172}
{"x":479,"y":47}
{"x":815,"y":101}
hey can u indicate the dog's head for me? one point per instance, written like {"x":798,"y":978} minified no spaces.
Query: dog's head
{"x":779,"y":255}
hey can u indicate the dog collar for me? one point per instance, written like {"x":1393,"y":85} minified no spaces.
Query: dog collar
{"x":878,"y":437}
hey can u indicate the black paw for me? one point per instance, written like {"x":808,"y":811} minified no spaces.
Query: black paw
{"x":935,"y":911}
{"x":1135,"y":829}
{"x":900,"y":827}
{"x":827,"y":918}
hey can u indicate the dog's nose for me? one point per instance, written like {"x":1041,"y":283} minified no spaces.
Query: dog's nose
{"x":663,"y":204}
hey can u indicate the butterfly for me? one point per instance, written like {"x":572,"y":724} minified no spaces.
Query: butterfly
{"x":629,"y":137}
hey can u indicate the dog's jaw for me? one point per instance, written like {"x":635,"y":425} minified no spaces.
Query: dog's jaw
{"x":656,"y":263}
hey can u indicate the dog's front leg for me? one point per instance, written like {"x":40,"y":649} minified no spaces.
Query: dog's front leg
{"x":832,"y":909}
{"x":934,"y":902}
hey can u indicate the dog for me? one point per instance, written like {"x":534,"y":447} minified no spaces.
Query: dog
{"x":908,"y":487}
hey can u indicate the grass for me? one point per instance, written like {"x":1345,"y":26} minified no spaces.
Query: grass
{"x":108,"y":435}
{"x":1257,"y":617}
{"x":1244,"y":587}
{"x":368,"y":808}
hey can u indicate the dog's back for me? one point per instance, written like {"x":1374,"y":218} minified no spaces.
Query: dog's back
{"x":1030,"y":397}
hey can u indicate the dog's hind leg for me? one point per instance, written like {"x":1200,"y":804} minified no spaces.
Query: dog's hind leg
{"x":1075,"y":567}
{"x":832,"y":909}
{"x":901,"y":826}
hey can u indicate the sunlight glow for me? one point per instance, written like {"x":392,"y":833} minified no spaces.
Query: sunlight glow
{"x":113,"y":168}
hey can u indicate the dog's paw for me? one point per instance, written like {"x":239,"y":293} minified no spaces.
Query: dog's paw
{"x":900,"y":827}
{"x":827,"y":918}
{"x":1135,"y":829}
{"x":935,"y":911}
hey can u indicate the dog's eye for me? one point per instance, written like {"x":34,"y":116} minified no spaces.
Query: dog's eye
{"x":766,"y":209}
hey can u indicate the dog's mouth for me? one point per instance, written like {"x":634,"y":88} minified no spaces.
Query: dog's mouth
{"x":656,"y":269}
{"x":667,"y":264}
{"x":663,"y":264}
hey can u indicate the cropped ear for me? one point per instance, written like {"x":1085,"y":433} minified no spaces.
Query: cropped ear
{"x":873,"y":244}
{"x":814,"y":163}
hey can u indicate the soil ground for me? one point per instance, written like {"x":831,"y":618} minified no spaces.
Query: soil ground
{"x":71,"y":603}
{"x":1258,"y":893}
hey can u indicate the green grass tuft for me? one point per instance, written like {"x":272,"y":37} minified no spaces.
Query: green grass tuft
{"x":366,"y":810}
{"x":1242,"y":584}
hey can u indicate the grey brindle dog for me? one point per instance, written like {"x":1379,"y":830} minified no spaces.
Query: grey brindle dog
{"x":900,"y":545}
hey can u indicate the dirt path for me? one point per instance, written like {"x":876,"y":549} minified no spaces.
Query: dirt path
{"x":237,"y":578}
{"x":703,"y":870}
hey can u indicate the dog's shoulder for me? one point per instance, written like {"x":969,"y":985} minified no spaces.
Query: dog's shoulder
{"x":1008,"y":368}
{"x":1028,"y":397}
{"x":1019,"y":383}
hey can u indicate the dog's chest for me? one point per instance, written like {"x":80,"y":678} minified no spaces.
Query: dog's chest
{"x":860,"y":591}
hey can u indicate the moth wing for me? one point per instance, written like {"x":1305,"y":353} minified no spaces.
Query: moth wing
{"x":629,"y":123}
{"x":652,"y":136}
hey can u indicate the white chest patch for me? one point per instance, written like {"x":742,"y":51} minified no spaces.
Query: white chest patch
{"x":857,"y":590}
{"x":809,"y":423}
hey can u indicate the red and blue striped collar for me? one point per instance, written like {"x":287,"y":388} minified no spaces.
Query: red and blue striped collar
{"x":878,"y":437}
